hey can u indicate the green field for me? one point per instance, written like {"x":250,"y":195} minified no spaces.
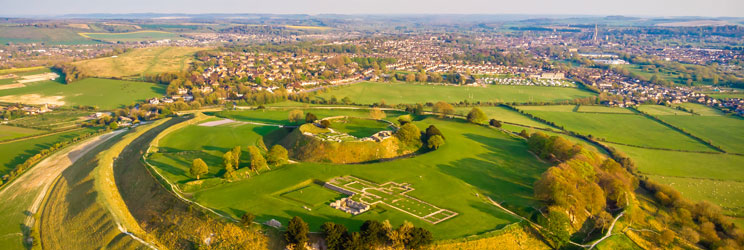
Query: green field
{"x":12,"y":132}
{"x":620,"y":128}
{"x":280,"y":115}
{"x":16,"y":152}
{"x":136,"y":36}
{"x":477,"y":161}
{"x":102,"y":93}
{"x":727,"y":132}
{"x":312,"y":195}
{"x":359,"y":128}
{"x":661,"y":110}
{"x":700,"y":109}
{"x":503,"y":114}
{"x":395,"y":93}
{"x":603,"y":109}
{"x":31,"y":34}
{"x":141,"y":62}
{"x":59,"y":119}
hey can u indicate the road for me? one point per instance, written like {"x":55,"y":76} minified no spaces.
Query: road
{"x":27,"y":192}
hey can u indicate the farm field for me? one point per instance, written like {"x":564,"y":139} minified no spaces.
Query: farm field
{"x":469,"y":175}
{"x":280,"y":116}
{"x":12,"y":132}
{"x":57,"y":120}
{"x":603,"y":109}
{"x":661,"y":110}
{"x":395,"y":93}
{"x":30,"y":34}
{"x":141,"y":62}
{"x":16,"y":152}
{"x":717,"y":178}
{"x":136,"y":36}
{"x":102,"y":93}
{"x":726,"y":132}
{"x":619,"y":128}
{"x":700,"y":109}
{"x":503,"y":114}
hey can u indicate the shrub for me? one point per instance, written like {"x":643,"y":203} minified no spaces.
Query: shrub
{"x":435,"y":142}
{"x":477,"y":116}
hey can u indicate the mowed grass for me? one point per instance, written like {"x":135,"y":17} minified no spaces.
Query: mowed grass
{"x":178,"y":149}
{"x":136,"y":36}
{"x":359,"y":128}
{"x":141,"y":62}
{"x":661,"y":110}
{"x":475,"y":162}
{"x":101,"y":93}
{"x":313,"y":195}
{"x":726,"y":132}
{"x":12,"y":132}
{"x":503,"y":114}
{"x":395,"y":93}
{"x":16,"y":152}
{"x":629,"y":129}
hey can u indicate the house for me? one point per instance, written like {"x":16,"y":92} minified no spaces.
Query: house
{"x":154,"y":101}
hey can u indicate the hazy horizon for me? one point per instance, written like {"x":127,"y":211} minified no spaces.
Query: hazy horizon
{"x":656,"y":8}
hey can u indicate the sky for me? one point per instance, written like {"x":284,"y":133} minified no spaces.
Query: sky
{"x":712,"y":8}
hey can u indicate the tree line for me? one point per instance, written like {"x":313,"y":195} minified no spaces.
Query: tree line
{"x":372,"y":235}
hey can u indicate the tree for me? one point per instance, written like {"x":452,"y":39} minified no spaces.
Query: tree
{"x":296,"y":233}
{"x":346,"y":100}
{"x":477,"y":116}
{"x":236,"y":152}
{"x":377,"y":113}
{"x":556,"y":226}
{"x":410,"y":77}
{"x":310,"y":118}
{"x":247,"y":219}
{"x":400,"y":236}
{"x":524,"y":134}
{"x":198,"y":168}
{"x":435,"y":142}
{"x":113,"y":125}
{"x":277,"y":156}
{"x":409,"y":134}
{"x":257,"y":160}
{"x":666,"y":237}
{"x":495,"y":123}
{"x":373,"y":233}
{"x":419,"y":238}
{"x":227,"y":160}
{"x":295,"y":115}
{"x":325,"y":123}
{"x":355,"y":242}
{"x":432,"y":131}
{"x":443,"y":109}
{"x":403,"y":119}
{"x":335,"y":235}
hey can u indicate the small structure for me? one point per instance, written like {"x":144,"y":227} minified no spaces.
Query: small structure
{"x":350,"y":206}
{"x":273,"y":223}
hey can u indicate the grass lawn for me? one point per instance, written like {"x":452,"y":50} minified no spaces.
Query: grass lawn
{"x":11,"y":132}
{"x":621,"y":128}
{"x":14,"y":153}
{"x":476,"y":161}
{"x":141,"y":61}
{"x":312,"y":195}
{"x":603,"y":109}
{"x":727,"y":132}
{"x":103,"y":93}
{"x":503,"y":114}
{"x":395,"y":93}
{"x":359,"y":128}
{"x":136,"y":36}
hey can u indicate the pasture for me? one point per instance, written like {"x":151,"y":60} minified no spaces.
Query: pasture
{"x":31,"y":34}
{"x":136,"y":36}
{"x":474,"y":163}
{"x":12,"y":132}
{"x":603,"y":109}
{"x":57,"y":120}
{"x":396,"y":93}
{"x":620,"y":128}
{"x":141,"y":62}
{"x":700,"y":109}
{"x":657,"y":110}
{"x":101,"y":93}
{"x":503,"y":114}
{"x":359,"y":128}
{"x":16,"y":152}
{"x":726,"y":132}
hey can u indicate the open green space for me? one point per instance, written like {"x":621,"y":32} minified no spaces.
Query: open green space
{"x":726,"y":132}
{"x":313,"y":195}
{"x":476,"y":162}
{"x":59,"y":119}
{"x":661,"y":110}
{"x":101,"y":93}
{"x":144,"y":61}
{"x":16,"y":152}
{"x":503,"y":114}
{"x":603,"y":109}
{"x":359,"y":128}
{"x":395,"y":93}
{"x":32,"y":34}
{"x":620,"y":128}
{"x":700,"y":109}
{"x":281,"y":116}
{"x":136,"y":36}
{"x":12,"y":132}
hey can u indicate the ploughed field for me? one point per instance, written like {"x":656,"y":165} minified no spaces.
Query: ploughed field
{"x":395,"y":93}
{"x":476,"y":162}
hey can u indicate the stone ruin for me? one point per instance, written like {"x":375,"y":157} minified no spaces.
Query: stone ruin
{"x":350,"y":206}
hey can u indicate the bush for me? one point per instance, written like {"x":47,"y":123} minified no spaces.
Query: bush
{"x":495,"y":123}
{"x":310,"y":118}
{"x":278,"y":155}
{"x":435,"y":142}
{"x":409,"y":134}
{"x":477,"y":116}
{"x":325,"y":124}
